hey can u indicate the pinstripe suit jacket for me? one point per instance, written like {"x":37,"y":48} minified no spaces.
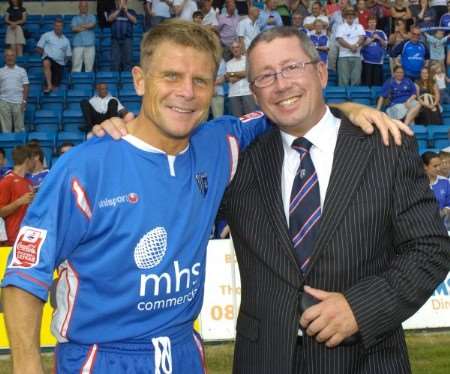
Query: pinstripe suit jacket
{"x":381,"y":244}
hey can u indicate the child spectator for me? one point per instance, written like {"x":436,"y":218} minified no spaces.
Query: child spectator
{"x":441,"y":80}
{"x":320,"y":40}
{"x":3,"y":161}
{"x":197,"y":17}
{"x":16,"y":192}
{"x":39,"y":171}
{"x":16,"y":16}
{"x":429,"y":98}
{"x":373,"y":54}
{"x":436,"y":44}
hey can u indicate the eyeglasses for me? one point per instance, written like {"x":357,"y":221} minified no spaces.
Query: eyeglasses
{"x":288,"y":72}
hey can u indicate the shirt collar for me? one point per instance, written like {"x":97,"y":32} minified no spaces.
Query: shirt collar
{"x":322,"y":136}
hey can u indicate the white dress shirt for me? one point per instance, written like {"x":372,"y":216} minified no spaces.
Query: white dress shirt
{"x":323,"y":137}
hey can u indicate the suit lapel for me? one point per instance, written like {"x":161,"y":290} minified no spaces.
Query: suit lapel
{"x":351,"y":155}
{"x":268,"y":166}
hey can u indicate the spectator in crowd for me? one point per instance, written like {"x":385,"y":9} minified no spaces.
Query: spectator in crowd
{"x":156,"y":11}
{"x":269,"y":17}
{"x":104,"y":7}
{"x":439,"y":185}
{"x":14,"y":86}
{"x":4,"y":169}
{"x":400,"y":10}
{"x":83,"y":42}
{"x":16,"y":192}
{"x":300,"y":6}
{"x":39,"y":170}
{"x":401,"y":95}
{"x":240,"y":97}
{"x":217,"y":101}
{"x":350,"y":36}
{"x":373,"y":53}
{"x":414,"y":8}
{"x":363,"y":14}
{"x":426,"y":16}
{"x":297,"y":21}
{"x":439,"y":77}
{"x":281,"y":6}
{"x":184,"y":9}
{"x":316,"y":13}
{"x":319,"y":39}
{"x":399,"y":35}
{"x":248,"y":27}
{"x":15,"y":18}
{"x":197,"y":17}
{"x":440,"y":8}
{"x":209,"y":14}
{"x":436,"y":44}
{"x":429,"y":99}
{"x":414,"y":54}
{"x":100,"y":107}
{"x":445,"y":18}
{"x":227,"y":27}
{"x":122,"y":23}
{"x":55,"y":50}
{"x":65,"y":147}
{"x":444,"y":169}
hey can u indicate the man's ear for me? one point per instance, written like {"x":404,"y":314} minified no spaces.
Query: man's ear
{"x":139,"y":80}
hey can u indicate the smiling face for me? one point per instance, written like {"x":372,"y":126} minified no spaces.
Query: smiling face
{"x":296,"y":104}
{"x":177,"y":84}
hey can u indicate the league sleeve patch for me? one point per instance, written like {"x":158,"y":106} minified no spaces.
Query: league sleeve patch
{"x":249,"y":116}
{"x":233,"y":146}
{"x":27,"y":248}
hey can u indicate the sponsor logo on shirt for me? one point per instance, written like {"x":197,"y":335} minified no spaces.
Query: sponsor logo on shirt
{"x":131,"y":198}
{"x":27,"y":248}
{"x":175,"y":286}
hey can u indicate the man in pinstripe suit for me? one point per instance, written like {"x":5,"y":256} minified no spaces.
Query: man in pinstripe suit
{"x":381,"y":248}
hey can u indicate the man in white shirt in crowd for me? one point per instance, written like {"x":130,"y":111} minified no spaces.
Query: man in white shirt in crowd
{"x":350,"y":35}
{"x":55,"y":50}
{"x":83,"y":42}
{"x":316,"y":10}
{"x":13,"y":94}
{"x":248,"y":28}
{"x":228,"y":24}
{"x":184,"y":9}
{"x":209,"y":14}
{"x":157,"y":11}
{"x":239,"y":94}
{"x":100,"y":107}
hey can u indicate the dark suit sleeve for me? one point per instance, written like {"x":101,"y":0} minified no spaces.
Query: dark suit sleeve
{"x":421,"y":246}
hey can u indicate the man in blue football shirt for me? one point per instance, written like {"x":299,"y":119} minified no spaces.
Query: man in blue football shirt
{"x":119,"y":226}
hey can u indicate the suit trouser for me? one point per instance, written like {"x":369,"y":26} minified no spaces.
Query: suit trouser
{"x":11,"y":117}
{"x":82,"y":55}
{"x":240,"y":105}
{"x":349,"y":71}
{"x":92,"y":117}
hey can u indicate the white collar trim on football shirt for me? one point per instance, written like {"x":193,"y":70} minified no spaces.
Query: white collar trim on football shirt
{"x":140,"y":144}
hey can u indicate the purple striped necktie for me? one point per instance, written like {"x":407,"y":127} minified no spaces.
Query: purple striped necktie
{"x":304,"y":207}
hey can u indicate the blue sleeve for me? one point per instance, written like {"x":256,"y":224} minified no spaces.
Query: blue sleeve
{"x":245,"y":129}
{"x":397,"y":50}
{"x":447,"y":195}
{"x":54,"y":224}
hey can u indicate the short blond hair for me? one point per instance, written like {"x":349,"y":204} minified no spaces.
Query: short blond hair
{"x":183,"y":33}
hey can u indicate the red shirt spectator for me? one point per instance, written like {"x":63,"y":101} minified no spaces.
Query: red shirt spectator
{"x":363,"y":14}
{"x":16,"y":193}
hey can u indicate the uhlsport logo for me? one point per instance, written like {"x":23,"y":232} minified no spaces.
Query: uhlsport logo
{"x":131,"y":198}
{"x":169,"y":285}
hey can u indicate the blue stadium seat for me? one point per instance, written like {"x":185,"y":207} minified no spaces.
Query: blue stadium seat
{"x":127,"y":91}
{"x":9,"y":140}
{"x":82,"y":77}
{"x":438,"y":135}
{"x":336,"y":93}
{"x":107,"y":77}
{"x":359,"y":92}
{"x":86,"y":88}
{"x":47,"y":120}
{"x":376,"y":90}
{"x":72,"y":118}
{"x":34,"y":18}
{"x":53,"y":100}
{"x":29,"y":116}
{"x":126,"y":78}
{"x":421,"y":134}
{"x":73,"y":137}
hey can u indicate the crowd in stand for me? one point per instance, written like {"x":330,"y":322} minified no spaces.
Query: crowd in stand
{"x":354,"y":38}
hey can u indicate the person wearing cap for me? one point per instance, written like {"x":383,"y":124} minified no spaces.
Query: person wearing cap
{"x":350,"y":36}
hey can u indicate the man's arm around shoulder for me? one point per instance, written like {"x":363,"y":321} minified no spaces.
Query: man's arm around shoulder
{"x":23,"y":315}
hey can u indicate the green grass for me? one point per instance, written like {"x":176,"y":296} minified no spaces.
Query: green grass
{"x":429,"y":353}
